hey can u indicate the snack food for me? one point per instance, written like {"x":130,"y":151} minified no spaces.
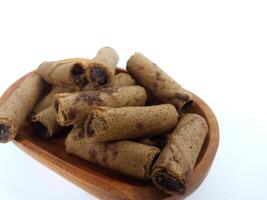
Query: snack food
{"x":153,"y":78}
{"x":73,"y":108}
{"x":68,"y":72}
{"x":119,"y":80}
{"x":45,"y":123}
{"x":108,"y":124}
{"x":17,"y":107}
{"x":101,"y":69}
{"x":126,"y":157}
{"x":122,"y":80}
{"x":177,"y":160}
{"x":115,"y":122}
{"x":48,"y":99}
{"x":156,"y":141}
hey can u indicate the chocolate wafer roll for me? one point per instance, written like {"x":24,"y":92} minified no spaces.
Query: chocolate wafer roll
{"x":120,"y":80}
{"x":101,"y":69}
{"x":74,"y":108}
{"x":126,"y":157}
{"x":108,"y":124}
{"x":153,"y":78}
{"x":157,"y":141}
{"x":47,"y":100}
{"x":66,"y":72}
{"x":45,"y":123}
{"x":17,"y":107}
{"x":175,"y":164}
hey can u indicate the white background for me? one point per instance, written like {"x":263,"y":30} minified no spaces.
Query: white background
{"x":217,"y":49}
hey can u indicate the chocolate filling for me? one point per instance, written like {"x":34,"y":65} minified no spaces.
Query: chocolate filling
{"x":99,"y":76}
{"x":4,"y":132}
{"x":169,"y":183}
{"x":186,"y":107}
{"x":77,"y":69}
{"x":78,"y":74}
{"x":40,"y":129}
{"x":56,"y":105}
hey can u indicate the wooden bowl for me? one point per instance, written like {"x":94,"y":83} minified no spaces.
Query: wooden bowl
{"x":104,"y":183}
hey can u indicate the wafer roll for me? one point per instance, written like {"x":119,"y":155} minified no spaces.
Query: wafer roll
{"x":108,"y":124}
{"x":175,"y":164}
{"x":17,"y":107}
{"x":126,"y":157}
{"x":45,"y":123}
{"x":66,"y":72}
{"x":101,"y":69}
{"x":157,"y":141}
{"x":74,"y":108}
{"x":47,"y":100}
{"x":153,"y":78}
{"x":120,"y":80}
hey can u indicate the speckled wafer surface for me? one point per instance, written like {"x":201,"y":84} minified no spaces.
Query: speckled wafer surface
{"x":65,"y":72}
{"x":177,"y":160}
{"x":74,"y":108}
{"x":122,"y":80}
{"x":101,"y":69}
{"x":108,"y":124}
{"x":126,"y":157}
{"x":119,"y":80}
{"x":48,"y":99}
{"x":153,"y":78}
{"x":17,"y":107}
{"x":45,"y":123}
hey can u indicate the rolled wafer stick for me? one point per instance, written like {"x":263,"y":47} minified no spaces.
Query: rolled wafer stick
{"x":45,"y":123}
{"x":66,"y":72}
{"x":120,"y":80}
{"x":74,"y":108}
{"x":175,"y":164}
{"x":157,"y":141}
{"x":108,"y":124}
{"x":101,"y":69}
{"x":47,"y":100}
{"x":126,"y":157}
{"x":17,"y":107}
{"x":153,"y":78}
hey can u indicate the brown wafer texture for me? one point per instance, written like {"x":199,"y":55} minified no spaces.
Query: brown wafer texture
{"x":102,"y":67}
{"x":68,"y":72}
{"x":74,"y":108}
{"x":153,"y":78}
{"x":176,"y":162}
{"x":119,"y":80}
{"x":157,"y":141}
{"x":108,"y":124}
{"x":18,"y":106}
{"x":122,"y":80}
{"x":126,"y":157}
{"x":48,"y":99}
{"x":45,"y":123}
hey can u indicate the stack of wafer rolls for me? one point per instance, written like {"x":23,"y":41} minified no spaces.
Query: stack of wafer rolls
{"x":136,"y":122}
